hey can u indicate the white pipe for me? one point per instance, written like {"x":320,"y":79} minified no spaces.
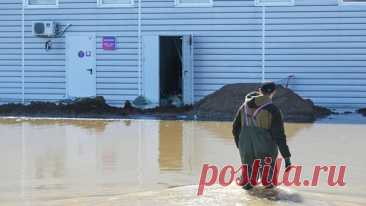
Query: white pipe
{"x":23,"y":47}
{"x":192,"y":66}
{"x":263,"y":43}
{"x":139,"y":49}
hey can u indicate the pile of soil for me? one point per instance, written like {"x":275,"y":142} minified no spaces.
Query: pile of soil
{"x":219,"y":106}
{"x":81,"y":106}
{"x":223,"y":104}
{"x":85,"y":108}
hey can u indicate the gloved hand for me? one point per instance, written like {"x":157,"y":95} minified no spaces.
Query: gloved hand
{"x":287,"y":164}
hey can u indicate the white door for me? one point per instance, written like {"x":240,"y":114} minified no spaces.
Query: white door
{"x":151,"y":68}
{"x":80,"y":65}
{"x":187,"y":47}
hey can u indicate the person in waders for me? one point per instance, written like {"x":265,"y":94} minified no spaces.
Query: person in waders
{"x":258,"y":130}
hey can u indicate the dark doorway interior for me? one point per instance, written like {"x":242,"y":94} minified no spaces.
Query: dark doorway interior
{"x":170,"y":70}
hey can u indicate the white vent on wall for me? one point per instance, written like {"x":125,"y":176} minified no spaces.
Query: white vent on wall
{"x":274,"y":2}
{"x":44,"y":28}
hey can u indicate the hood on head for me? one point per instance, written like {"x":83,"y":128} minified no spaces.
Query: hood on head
{"x":256,"y":99}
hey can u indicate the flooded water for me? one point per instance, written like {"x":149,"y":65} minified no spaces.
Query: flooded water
{"x":148,"y":162}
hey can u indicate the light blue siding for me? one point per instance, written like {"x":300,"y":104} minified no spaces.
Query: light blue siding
{"x":116,"y":70}
{"x":323,"y":45}
{"x":10,"y":51}
{"x":319,"y":42}
{"x":227,"y":39}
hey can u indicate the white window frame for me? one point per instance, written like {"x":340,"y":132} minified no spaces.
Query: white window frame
{"x":178,"y":4}
{"x":100,"y":4}
{"x":27,"y":5}
{"x":341,"y":2}
{"x":258,"y":3}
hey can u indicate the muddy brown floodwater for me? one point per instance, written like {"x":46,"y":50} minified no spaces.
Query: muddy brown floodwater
{"x":147,"y":162}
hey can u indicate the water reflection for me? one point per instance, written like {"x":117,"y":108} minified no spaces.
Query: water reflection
{"x":65,"y":159}
{"x":111,"y":152}
{"x":170,"y":145}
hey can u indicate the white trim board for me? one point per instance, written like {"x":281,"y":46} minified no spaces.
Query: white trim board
{"x":274,"y":3}
{"x":36,"y":6}
{"x":101,"y":4}
{"x":208,"y":4}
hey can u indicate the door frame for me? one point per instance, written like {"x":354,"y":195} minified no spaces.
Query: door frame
{"x":169,"y":34}
{"x":187,"y":98}
{"x":94,"y":61}
{"x":151,"y":68}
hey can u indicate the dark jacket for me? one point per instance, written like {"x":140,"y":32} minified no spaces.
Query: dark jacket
{"x":269,"y":118}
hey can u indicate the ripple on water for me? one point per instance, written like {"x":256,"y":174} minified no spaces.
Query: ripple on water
{"x":232,"y":195}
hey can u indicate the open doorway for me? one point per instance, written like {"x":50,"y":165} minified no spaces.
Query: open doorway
{"x":168,"y":69}
{"x":171,"y":82}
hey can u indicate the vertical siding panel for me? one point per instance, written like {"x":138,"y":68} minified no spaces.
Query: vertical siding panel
{"x":319,"y":42}
{"x":227,"y":39}
{"x":10,"y":51}
{"x":116,"y":70}
{"x":323,"y":45}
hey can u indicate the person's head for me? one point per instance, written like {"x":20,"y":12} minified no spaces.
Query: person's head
{"x":268,"y":89}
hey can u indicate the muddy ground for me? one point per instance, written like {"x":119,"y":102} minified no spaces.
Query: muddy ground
{"x":219,"y":106}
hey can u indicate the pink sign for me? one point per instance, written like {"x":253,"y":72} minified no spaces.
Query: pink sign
{"x":109,"y":43}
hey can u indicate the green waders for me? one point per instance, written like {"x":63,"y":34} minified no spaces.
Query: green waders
{"x":255,"y":142}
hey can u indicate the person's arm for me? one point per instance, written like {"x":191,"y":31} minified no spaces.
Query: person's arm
{"x":237,"y":127}
{"x":278,"y":133}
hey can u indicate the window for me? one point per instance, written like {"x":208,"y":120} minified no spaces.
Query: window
{"x":115,"y":3}
{"x":352,"y":2}
{"x":274,"y":2}
{"x":41,"y":3}
{"x":194,"y":3}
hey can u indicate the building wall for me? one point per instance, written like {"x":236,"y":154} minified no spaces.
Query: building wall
{"x":10,"y":51}
{"x":227,"y":39}
{"x":116,"y":70}
{"x":319,"y":42}
{"x":324,"y":46}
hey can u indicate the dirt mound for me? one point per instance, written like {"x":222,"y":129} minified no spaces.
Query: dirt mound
{"x":85,"y":106}
{"x":88,"y":105}
{"x":223,"y":104}
{"x":219,"y":106}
